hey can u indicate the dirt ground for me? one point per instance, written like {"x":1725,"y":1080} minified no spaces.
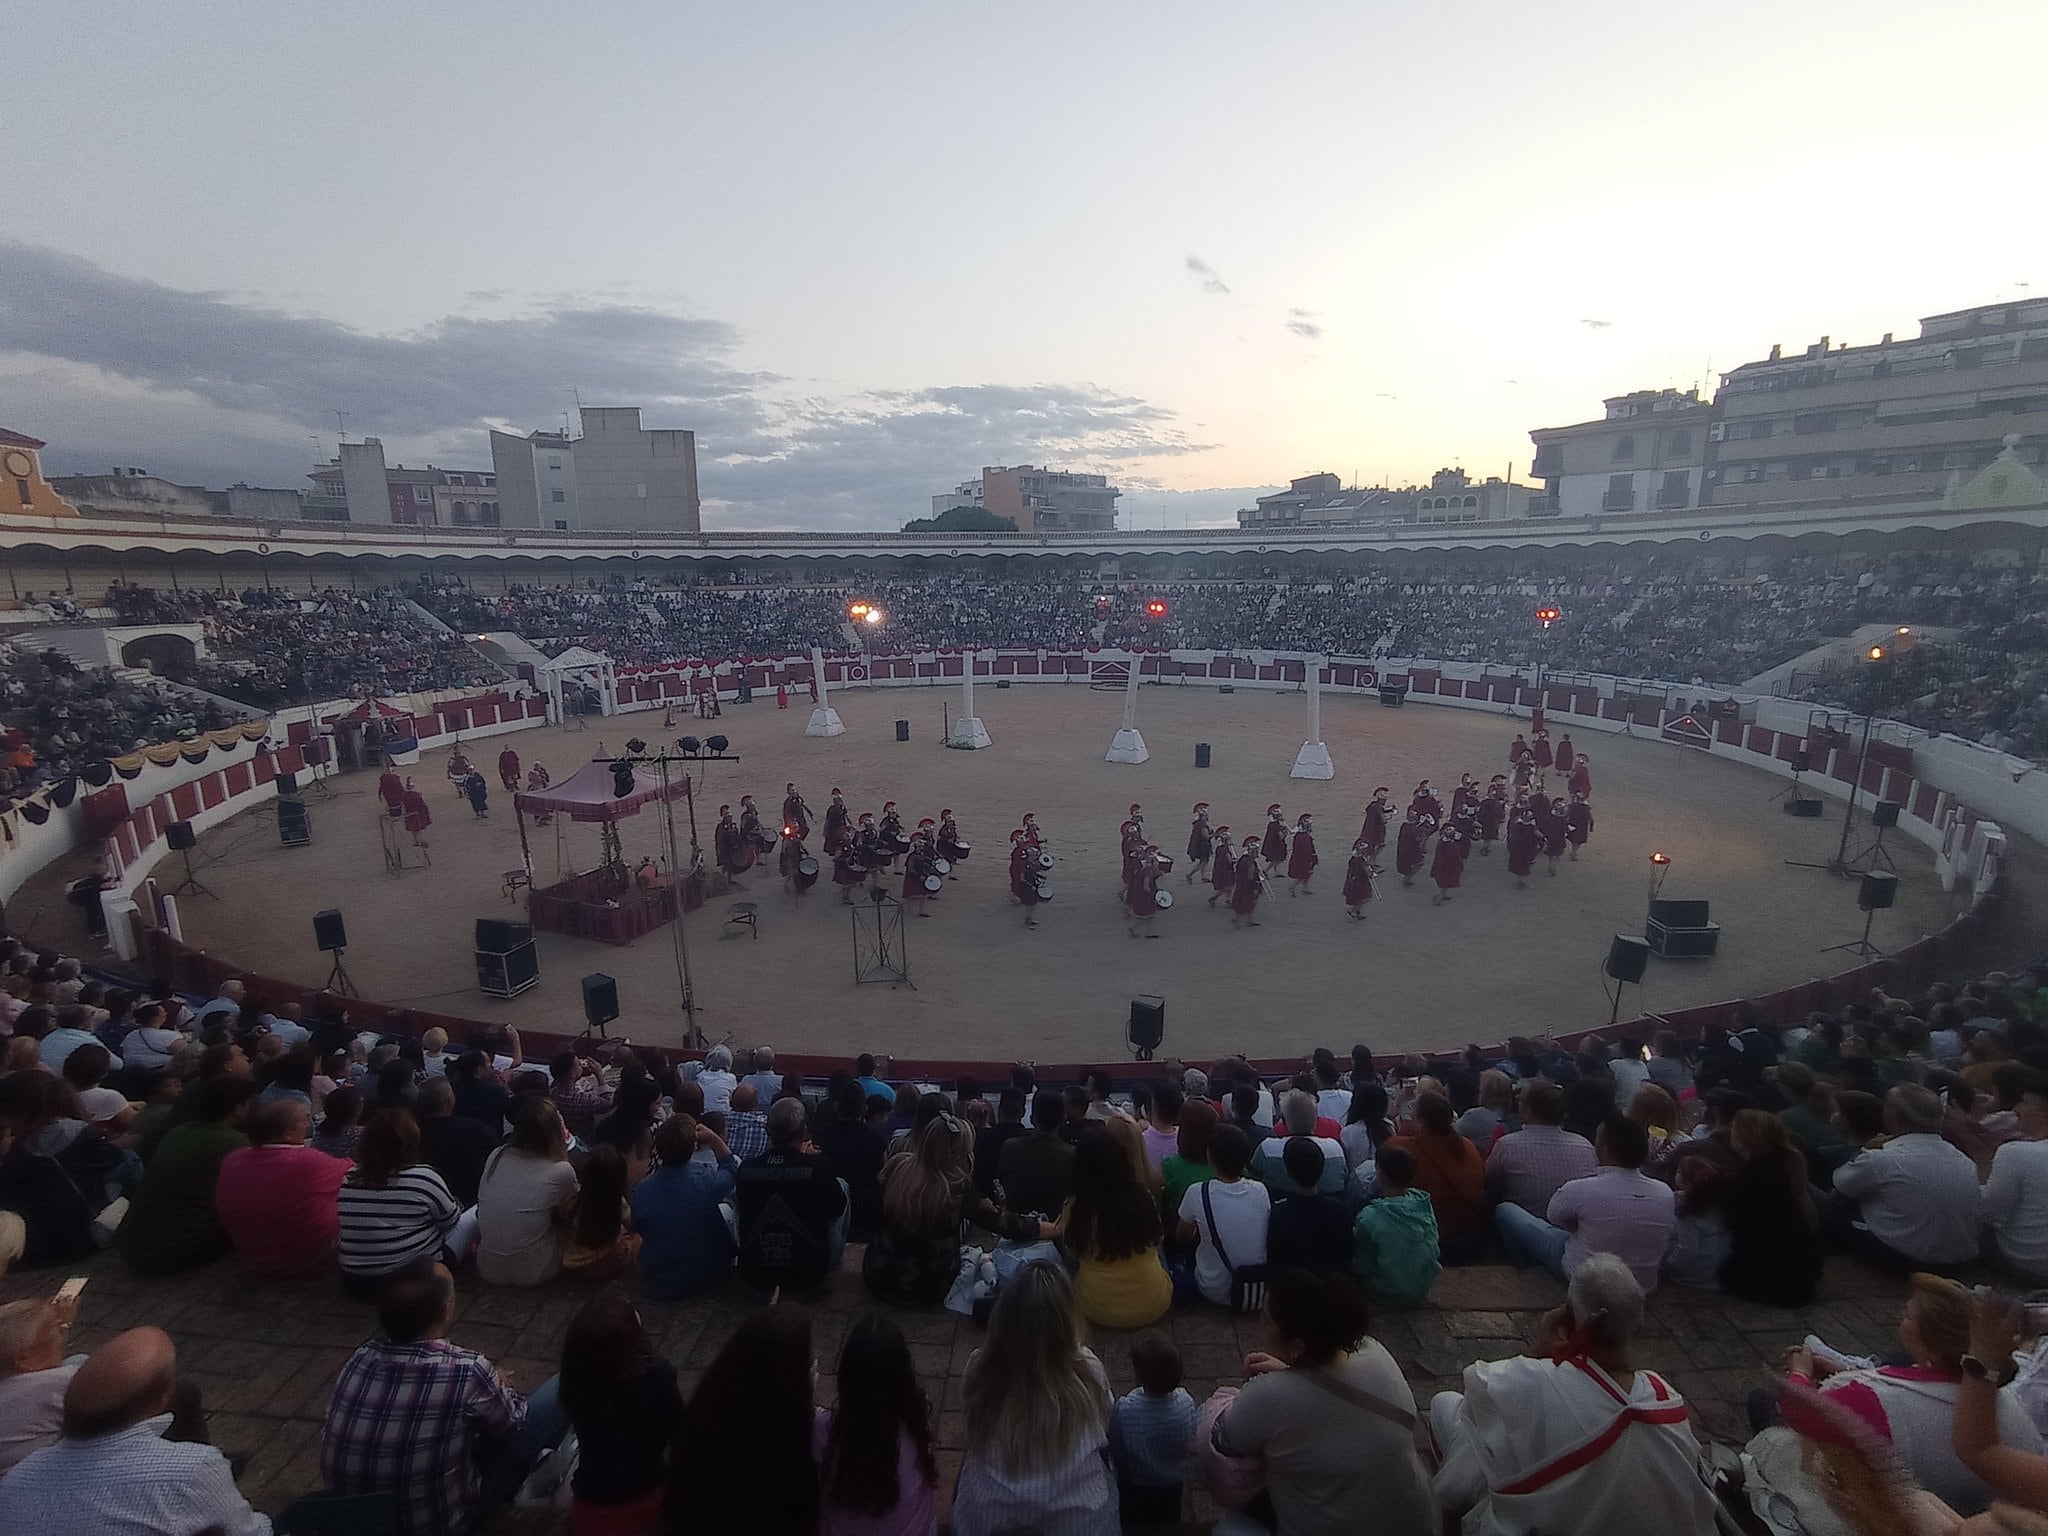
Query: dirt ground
{"x":1493,"y":961}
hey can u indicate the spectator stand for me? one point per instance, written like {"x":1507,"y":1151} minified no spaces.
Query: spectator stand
{"x":603,"y":903}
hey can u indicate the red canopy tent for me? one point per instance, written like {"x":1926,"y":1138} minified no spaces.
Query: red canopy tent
{"x":586,"y":795}
{"x":602,"y":903}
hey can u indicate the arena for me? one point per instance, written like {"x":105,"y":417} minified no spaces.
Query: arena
{"x":1493,"y":961}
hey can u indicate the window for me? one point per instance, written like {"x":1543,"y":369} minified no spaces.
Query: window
{"x":1621,"y":494}
{"x":561,"y":525}
{"x":21,"y":490}
{"x":554,"y":463}
{"x":1625,"y":450}
{"x":423,"y":495}
{"x":556,"y":495}
{"x":1681,"y":442}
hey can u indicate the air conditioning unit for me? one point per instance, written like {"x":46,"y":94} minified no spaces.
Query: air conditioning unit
{"x":1717,"y":432}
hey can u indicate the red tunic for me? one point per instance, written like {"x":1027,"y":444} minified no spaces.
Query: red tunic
{"x":508,"y":769}
{"x":417,"y":817}
{"x":836,"y":821}
{"x":1023,"y":878}
{"x":913,"y":881}
{"x":793,"y":815}
{"x":1358,"y":881}
{"x":1409,"y":848}
{"x":1448,"y":867}
{"x":1523,"y":841}
{"x":1542,"y":751}
{"x":1491,"y":813}
{"x":1301,"y":863}
{"x":1223,"y":872}
{"x":1553,"y":836}
{"x":1518,"y":751}
{"x":1578,"y":823}
{"x":1274,"y":849}
{"x":848,"y":870}
{"x":391,"y":789}
{"x":1244,"y":890}
{"x":1582,"y":779}
{"x":1141,"y":893}
{"x":1564,"y":754}
{"x":1374,"y":832}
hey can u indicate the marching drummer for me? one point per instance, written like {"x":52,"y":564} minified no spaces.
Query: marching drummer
{"x":1025,"y":875}
{"x":1201,"y":842}
{"x":918,"y":878}
{"x":849,"y":871}
{"x":1141,"y":891}
{"x":791,"y":858}
{"x":838,"y":823}
{"x":952,"y":846}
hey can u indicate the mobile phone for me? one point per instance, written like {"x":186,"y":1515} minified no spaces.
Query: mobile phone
{"x":69,"y":1290}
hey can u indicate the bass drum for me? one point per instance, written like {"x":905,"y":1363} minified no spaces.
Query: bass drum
{"x":934,"y":884}
{"x":1044,"y":888}
{"x":942,"y":866}
{"x":1165,"y":862}
{"x":957,"y":852}
{"x":806,"y":872}
{"x":1163,"y":898}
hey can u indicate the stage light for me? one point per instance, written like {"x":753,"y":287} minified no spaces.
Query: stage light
{"x":1875,"y":653}
{"x":1156,"y":608}
{"x":789,"y":832}
{"x":1660,"y":859}
{"x":861,"y":611}
{"x":637,"y":747}
{"x":1547,"y":616}
{"x":872,"y":616}
{"x":689,"y":746}
{"x":622,"y":779}
{"x":717,"y":744}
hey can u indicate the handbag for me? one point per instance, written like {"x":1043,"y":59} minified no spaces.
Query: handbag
{"x":1247,"y":1285}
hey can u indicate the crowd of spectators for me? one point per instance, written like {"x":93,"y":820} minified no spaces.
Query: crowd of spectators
{"x":1909,"y":1133}
{"x":57,"y":717}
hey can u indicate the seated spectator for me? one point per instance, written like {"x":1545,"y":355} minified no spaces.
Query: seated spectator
{"x":1308,"y":1229}
{"x":1819,"y":1139}
{"x":1188,"y":1164}
{"x":1909,"y":1200}
{"x":762,"y":1074}
{"x":1328,"y":1415}
{"x":149,"y":1046}
{"x":876,"y":1474}
{"x":1162,"y":1120}
{"x":1527,"y":1167}
{"x":1449,"y":1169}
{"x":276,"y":1196}
{"x":791,"y":1209}
{"x":1224,"y":1218}
{"x":523,"y":1198}
{"x":225,"y":1006}
{"x":599,"y":1240}
{"x":455,"y":1146}
{"x":1615,"y":1210}
{"x":1111,"y":1225}
{"x":1394,"y":1247}
{"x":746,"y":1127}
{"x":1298,"y":1118}
{"x":106,"y":1110}
{"x":989,"y":1143}
{"x":1525,"y":1445}
{"x":341,"y":1124}
{"x":686,"y":1247}
{"x":927,"y":1197}
{"x":172,"y":1223}
{"x":34,"y":1373}
{"x":415,"y":1416}
{"x":434,"y":1054}
{"x":1151,"y":1432}
{"x":1036,"y":1169}
{"x":622,"y":1399}
{"x":855,"y":1144}
{"x":1698,"y":1243}
{"x":754,"y":1410}
{"x":1774,"y":1251}
{"x":125,"y":1462}
{"x":717,"y":1080}
{"x":71,"y":1032}
{"x":56,"y":1218}
{"x":1488,"y":1118}
{"x":2016,"y":1192}
{"x":395,"y":1213}
{"x":478,"y":1094}
{"x":1668,"y":1067}
{"x":1662,"y":1120}
{"x":1038,"y":1407}
{"x":578,"y":1089}
{"x":1913,"y":1407}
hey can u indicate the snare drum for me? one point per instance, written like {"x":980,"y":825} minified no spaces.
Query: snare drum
{"x":934,"y":883}
{"x":1164,"y":899}
{"x":942,"y":866}
{"x":1044,"y":888}
{"x":806,"y":871}
{"x":1165,"y":861}
{"x":957,"y":852}
{"x":1044,"y":860}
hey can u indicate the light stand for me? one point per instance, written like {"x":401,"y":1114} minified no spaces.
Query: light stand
{"x":693,"y":1032}
{"x":879,"y":952}
{"x":1873,"y":854}
{"x":191,"y":883}
{"x":339,"y":982}
{"x":1840,"y":866}
{"x":1861,"y":947}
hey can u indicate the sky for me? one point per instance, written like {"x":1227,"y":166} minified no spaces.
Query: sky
{"x":863,"y":250}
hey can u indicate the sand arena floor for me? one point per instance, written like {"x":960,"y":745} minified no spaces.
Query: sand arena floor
{"x":1492,"y":961}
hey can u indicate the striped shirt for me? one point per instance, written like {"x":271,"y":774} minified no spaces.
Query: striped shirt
{"x":383,"y":1230}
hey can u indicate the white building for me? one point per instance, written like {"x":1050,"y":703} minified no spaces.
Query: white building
{"x":618,"y":476}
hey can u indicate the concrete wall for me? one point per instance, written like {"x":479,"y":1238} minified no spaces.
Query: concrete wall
{"x":512,"y":463}
{"x":265,"y":504}
{"x":629,"y":478}
{"x":363,"y":482}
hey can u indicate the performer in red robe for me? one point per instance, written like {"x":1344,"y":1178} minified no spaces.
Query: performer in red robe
{"x":1523,"y":842}
{"x":1541,"y":751}
{"x":1424,"y":802}
{"x":917,"y":863}
{"x":1447,"y":868}
{"x":417,"y":817}
{"x":849,"y":870}
{"x":1141,"y":892}
{"x":1222,"y":867}
{"x":782,"y":696}
{"x":1248,"y":882}
{"x":1201,"y":843}
{"x":1554,"y":835}
{"x":1525,"y":770}
{"x":1301,"y":859}
{"x":952,"y":847}
{"x":1582,"y":776}
{"x":1578,"y":824}
{"x":1465,"y":797}
{"x":1492,"y":812}
{"x":537,"y":780}
{"x":1024,"y":874}
{"x":1564,"y":753}
{"x":1377,"y":816}
{"x":735,"y":855}
{"x":1274,"y":847}
{"x":837,"y":821}
{"x":1411,"y":845}
{"x":1518,"y":750}
{"x":795,"y":814}
{"x":787,"y":858}
{"x":1358,"y":880}
{"x":391,"y":790}
{"x":508,"y":770}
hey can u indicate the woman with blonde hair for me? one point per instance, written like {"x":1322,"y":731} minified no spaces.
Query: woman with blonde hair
{"x":927,"y":1196}
{"x":1657,"y":1112}
{"x":1130,"y":1141}
{"x":1485,"y":1121}
{"x":1037,"y":1419}
{"x":1774,"y":1247}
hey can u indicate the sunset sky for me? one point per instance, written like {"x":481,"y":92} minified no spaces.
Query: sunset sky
{"x":864,"y":249}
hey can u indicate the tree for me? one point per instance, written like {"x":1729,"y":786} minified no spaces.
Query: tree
{"x":962,"y":520}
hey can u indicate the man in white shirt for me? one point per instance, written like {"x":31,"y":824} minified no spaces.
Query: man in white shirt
{"x":149,"y":1046}
{"x":766,"y":1080}
{"x":33,"y":1374}
{"x":717,"y":1080}
{"x":1909,"y":1200}
{"x":1241,"y":1209}
{"x":226,"y":1008}
{"x":2016,"y":1194}
{"x":1617,"y":1210}
{"x":71,"y":1032}
{"x":1298,"y":1118}
{"x":1527,"y":1167}
{"x":434,"y":1055}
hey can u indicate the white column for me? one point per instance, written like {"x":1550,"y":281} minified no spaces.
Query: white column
{"x":1313,"y":760}
{"x":968,"y":732}
{"x":825,"y":719}
{"x":1127,"y":746}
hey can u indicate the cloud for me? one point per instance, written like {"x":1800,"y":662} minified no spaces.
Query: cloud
{"x":1211,"y":283}
{"x":1597,"y":325}
{"x":211,"y":389}
{"x":1303,"y":323}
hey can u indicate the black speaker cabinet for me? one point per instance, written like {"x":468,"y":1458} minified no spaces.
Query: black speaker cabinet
{"x":1802,"y":761}
{"x":1680,"y":914}
{"x":507,"y":973}
{"x":746,"y":694}
{"x":1695,"y":941}
{"x":903,"y":730}
{"x":600,"y":999}
{"x":329,"y":932}
{"x":1227,"y":688}
{"x":1626,"y":957}
{"x":1393,"y":698}
{"x":1148,"y":1025}
{"x":181,"y":837}
{"x":1201,"y":754}
{"x":1885,"y":813}
{"x":294,"y":824}
{"x":1002,"y":682}
{"x":1878,"y":890}
{"x":287,"y":783}
{"x":1800,"y":805}
{"x":500,"y":935}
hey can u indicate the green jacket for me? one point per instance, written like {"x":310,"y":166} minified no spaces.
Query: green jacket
{"x":1394,"y":1249}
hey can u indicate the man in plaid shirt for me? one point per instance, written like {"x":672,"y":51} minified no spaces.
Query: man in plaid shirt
{"x":746,"y":1127}
{"x":411,"y":1412}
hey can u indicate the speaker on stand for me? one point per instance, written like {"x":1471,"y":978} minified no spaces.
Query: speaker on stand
{"x":1147,"y":1027}
{"x":1628,"y":956}
{"x":331,"y":934}
{"x":600,"y":1002}
{"x":183,"y":839}
{"x":1883,"y":817}
{"x":1875,"y":892}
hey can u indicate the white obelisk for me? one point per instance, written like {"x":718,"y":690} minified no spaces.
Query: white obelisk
{"x":1313,"y":760}
{"x":968,"y":732}
{"x":1127,"y":746}
{"x":825,"y":719}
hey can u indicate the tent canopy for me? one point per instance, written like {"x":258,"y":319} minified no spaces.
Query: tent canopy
{"x":576,"y":659}
{"x":586,"y":795}
{"x":376,"y":709}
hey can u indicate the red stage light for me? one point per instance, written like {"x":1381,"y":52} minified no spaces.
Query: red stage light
{"x":1155,"y":608}
{"x":1547,"y":616}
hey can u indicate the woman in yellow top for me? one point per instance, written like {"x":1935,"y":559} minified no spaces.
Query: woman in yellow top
{"x":1111,"y":1226}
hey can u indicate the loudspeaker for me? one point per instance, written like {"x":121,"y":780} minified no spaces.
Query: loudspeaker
{"x":287,"y":783}
{"x":1680,"y":914}
{"x":1148,"y":1024}
{"x":903,"y":730}
{"x":600,"y":999}
{"x":1393,"y":698}
{"x":1002,"y":682}
{"x":1683,"y":943}
{"x":294,"y":824}
{"x":510,"y":973}
{"x":746,"y":693}
{"x":180,"y":836}
{"x":1627,"y":957}
{"x":1885,"y":813}
{"x":1201,"y":754}
{"x":1877,"y":891}
{"x":1801,"y":806}
{"x":500,"y":935}
{"x":329,"y":932}
{"x":1227,"y":688}
{"x":1802,"y":761}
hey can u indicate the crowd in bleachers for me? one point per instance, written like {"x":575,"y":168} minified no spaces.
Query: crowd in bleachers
{"x":1910,"y":1134}
{"x":57,"y":717}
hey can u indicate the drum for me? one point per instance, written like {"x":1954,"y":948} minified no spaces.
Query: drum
{"x":1044,"y":888}
{"x":806,"y":872}
{"x":934,"y":883}
{"x":1043,"y":859}
{"x":942,"y":866}
{"x":1164,"y":898}
{"x":958,"y":852}
{"x":1166,"y":863}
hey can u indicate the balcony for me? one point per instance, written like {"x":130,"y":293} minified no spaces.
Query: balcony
{"x":1548,"y":463}
{"x":1544,"y":505}
{"x":1674,"y":496}
{"x":1618,"y":501}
